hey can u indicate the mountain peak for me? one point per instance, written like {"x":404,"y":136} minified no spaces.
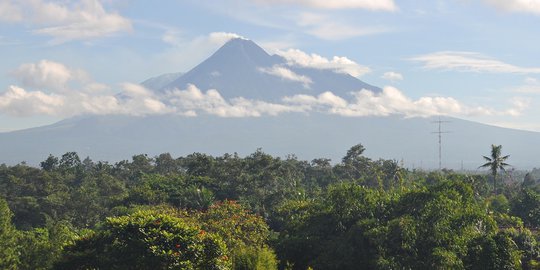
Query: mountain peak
{"x":240,"y":48}
{"x":240,"y":68}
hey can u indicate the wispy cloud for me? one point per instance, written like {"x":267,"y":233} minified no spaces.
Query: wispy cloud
{"x":319,"y":18}
{"x":392,"y":76}
{"x":65,"y":21}
{"x":184,"y":53}
{"x":530,"y":86}
{"x":469,"y":62}
{"x":332,"y":28}
{"x":379,"y":5}
{"x":339,"y":64}
{"x":524,"y":6}
{"x":287,"y":74}
{"x":10,"y":12}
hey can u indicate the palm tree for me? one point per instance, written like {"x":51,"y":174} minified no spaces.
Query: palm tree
{"x":496,"y":162}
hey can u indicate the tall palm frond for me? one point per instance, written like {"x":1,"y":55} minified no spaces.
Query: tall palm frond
{"x":496,"y":162}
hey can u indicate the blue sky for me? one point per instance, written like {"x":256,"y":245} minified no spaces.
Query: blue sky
{"x":473,"y":59}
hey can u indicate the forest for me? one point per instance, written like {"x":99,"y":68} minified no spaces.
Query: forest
{"x":263,"y":212}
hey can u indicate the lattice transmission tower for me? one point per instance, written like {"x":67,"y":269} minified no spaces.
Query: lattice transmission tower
{"x":439,"y":133}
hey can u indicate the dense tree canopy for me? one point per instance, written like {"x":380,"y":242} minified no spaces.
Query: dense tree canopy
{"x":262,"y":212}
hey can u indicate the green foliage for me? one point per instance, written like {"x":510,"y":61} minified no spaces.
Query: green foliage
{"x":235,"y":224}
{"x":353,"y":225}
{"x":498,"y":203}
{"x":527,"y":207}
{"x":8,"y":235}
{"x":496,"y":251}
{"x":253,"y":258}
{"x":244,"y":233}
{"x":146,"y":240}
{"x":41,"y":247}
{"x":233,"y":212}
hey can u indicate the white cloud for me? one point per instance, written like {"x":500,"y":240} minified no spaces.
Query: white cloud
{"x":287,"y":74}
{"x":519,"y":104}
{"x":221,"y":38}
{"x":530,"y":80}
{"x":526,"y":6}
{"x":48,"y":74}
{"x":19,"y":102}
{"x":331,"y":28}
{"x":172,"y":37}
{"x":192,"y":99}
{"x":392,"y":76}
{"x":68,"y":21}
{"x":469,"y":62}
{"x":214,"y":39}
{"x":392,"y":101}
{"x":86,"y":20}
{"x":136,"y":100}
{"x":382,"y":5}
{"x":9,"y":11}
{"x":296,"y":57}
{"x":531,"y":86}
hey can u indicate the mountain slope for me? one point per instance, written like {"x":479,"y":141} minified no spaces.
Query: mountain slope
{"x":161,"y":81}
{"x":115,"y":138}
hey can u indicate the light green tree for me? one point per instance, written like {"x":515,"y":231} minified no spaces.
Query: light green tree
{"x":8,"y":236}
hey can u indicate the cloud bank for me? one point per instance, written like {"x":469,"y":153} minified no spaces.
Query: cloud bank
{"x":50,"y":92}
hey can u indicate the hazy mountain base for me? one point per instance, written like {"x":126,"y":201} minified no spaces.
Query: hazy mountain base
{"x":115,"y":138}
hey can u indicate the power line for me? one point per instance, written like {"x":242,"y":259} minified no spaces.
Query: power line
{"x":439,"y":132}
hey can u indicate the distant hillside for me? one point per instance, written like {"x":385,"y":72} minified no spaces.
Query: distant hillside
{"x":115,"y":138}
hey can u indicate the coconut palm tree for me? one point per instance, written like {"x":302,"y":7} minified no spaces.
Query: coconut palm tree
{"x":496,"y":162}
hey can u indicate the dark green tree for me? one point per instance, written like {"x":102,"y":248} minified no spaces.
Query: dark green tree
{"x":147,"y":240}
{"x":50,"y":164}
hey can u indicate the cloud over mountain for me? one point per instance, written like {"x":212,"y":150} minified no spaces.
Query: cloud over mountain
{"x":50,"y":94}
{"x":339,"y":64}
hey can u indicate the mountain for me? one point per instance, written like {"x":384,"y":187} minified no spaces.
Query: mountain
{"x":242,"y":69}
{"x":237,"y":69}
